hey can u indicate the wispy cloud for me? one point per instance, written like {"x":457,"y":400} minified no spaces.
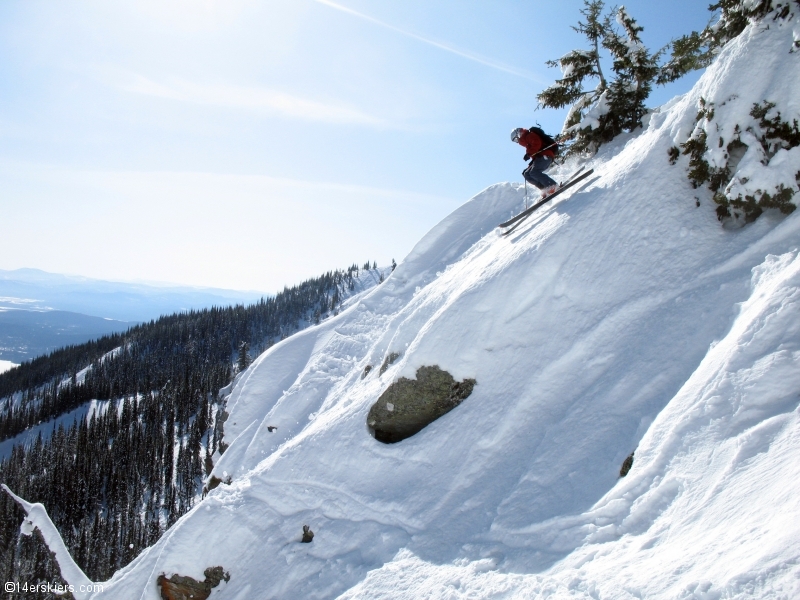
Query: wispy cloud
{"x":249,"y":98}
{"x":442,"y":46}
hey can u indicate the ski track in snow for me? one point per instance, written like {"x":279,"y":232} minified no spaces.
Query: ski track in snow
{"x":620,"y":317}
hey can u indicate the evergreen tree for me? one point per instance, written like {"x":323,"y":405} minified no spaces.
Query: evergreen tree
{"x":579,"y":67}
{"x":602,"y":107}
{"x":689,"y":53}
{"x":735,"y":15}
{"x":243,"y":360}
{"x":635,"y":70}
{"x":697,"y":49}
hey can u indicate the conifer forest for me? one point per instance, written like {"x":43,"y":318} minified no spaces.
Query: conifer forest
{"x":115,"y":478}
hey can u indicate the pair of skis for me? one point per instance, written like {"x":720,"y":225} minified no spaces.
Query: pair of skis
{"x":518,"y":220}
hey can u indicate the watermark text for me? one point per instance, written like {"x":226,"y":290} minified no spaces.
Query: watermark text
{"x":24,"y":587}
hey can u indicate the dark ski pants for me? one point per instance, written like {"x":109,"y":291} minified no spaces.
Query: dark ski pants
{"x":534,"y":174}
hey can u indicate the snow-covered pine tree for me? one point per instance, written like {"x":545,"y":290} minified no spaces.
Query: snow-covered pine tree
{"x":578,"y":68}
{"x":616,"y":104}
{"x":735,"y":15}
{"x":635,"y":69}
{"x":697,"y":49}
{"x":689,"y":53}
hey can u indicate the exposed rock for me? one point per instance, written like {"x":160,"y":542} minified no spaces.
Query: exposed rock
{"x":179,"y":587}
{"x":367,"y":369}
{"x":271,"y":428}
{"x":626,"y":465}
{"x":216,"y":574}
{"x":214,"y":482}
{"x":390,"y":358}
{"x":408,"y":405}
{"x":221,"y":424}
{"x":308,"y":535}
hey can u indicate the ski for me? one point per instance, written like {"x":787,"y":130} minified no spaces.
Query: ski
{"x":516,"y":221}
{"x":522,"y":214}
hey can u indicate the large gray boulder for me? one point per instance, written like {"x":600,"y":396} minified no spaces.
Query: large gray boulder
{"x":408,"y":405}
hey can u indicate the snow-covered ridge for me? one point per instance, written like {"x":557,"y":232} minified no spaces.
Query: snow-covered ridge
{"x":37,"y":518}
{"x":5,"y":365}
{"x":746,"y":129}
{"x":622,"y":317}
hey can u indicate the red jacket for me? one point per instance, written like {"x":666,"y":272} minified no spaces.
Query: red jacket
{"x":533,"y":144}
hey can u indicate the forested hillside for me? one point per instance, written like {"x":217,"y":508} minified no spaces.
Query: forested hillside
{"x":116,"y":478}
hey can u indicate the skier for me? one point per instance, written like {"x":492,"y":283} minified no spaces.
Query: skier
{"x":542,"y":150}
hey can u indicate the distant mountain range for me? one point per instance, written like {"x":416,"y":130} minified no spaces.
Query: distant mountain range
{"x":35,"y":289}
{"x":41,"y":311}
{"x":26,"y":334}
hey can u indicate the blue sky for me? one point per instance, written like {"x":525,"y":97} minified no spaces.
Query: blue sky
{"x":250,"y":145}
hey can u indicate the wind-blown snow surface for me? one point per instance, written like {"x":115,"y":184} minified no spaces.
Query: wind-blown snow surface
{"x":623,"y":317}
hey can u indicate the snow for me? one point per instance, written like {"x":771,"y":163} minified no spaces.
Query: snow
{"x":592,"y":117}
{"x":622,"y":317}
{"x":5,"y":365}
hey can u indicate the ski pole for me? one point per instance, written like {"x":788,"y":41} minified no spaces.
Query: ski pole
{"x":526,"y":194}
{"x":545,"y":148}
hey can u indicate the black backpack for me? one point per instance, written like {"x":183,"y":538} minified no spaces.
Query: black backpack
{"x":547,"y":141}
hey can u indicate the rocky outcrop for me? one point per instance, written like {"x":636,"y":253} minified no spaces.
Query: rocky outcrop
{"x":626,"y":465}
{"x":308,"y":535}
{"x":179,"y":587}
{"x":214,"y":482}
{"x":390,"y":358}
{"x":222,"y":418}
{"x":408,"y":405}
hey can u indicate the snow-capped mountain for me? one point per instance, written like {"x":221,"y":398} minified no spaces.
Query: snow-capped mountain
{"x":622,"y":317}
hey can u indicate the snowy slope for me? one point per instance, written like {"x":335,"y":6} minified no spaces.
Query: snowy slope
{"x":623,"y":317}
{"x":28,"y":437}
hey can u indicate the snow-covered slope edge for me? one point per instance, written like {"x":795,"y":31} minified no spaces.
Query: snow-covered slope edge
{"x":36,"y":517}
{"x":622,"y":317}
